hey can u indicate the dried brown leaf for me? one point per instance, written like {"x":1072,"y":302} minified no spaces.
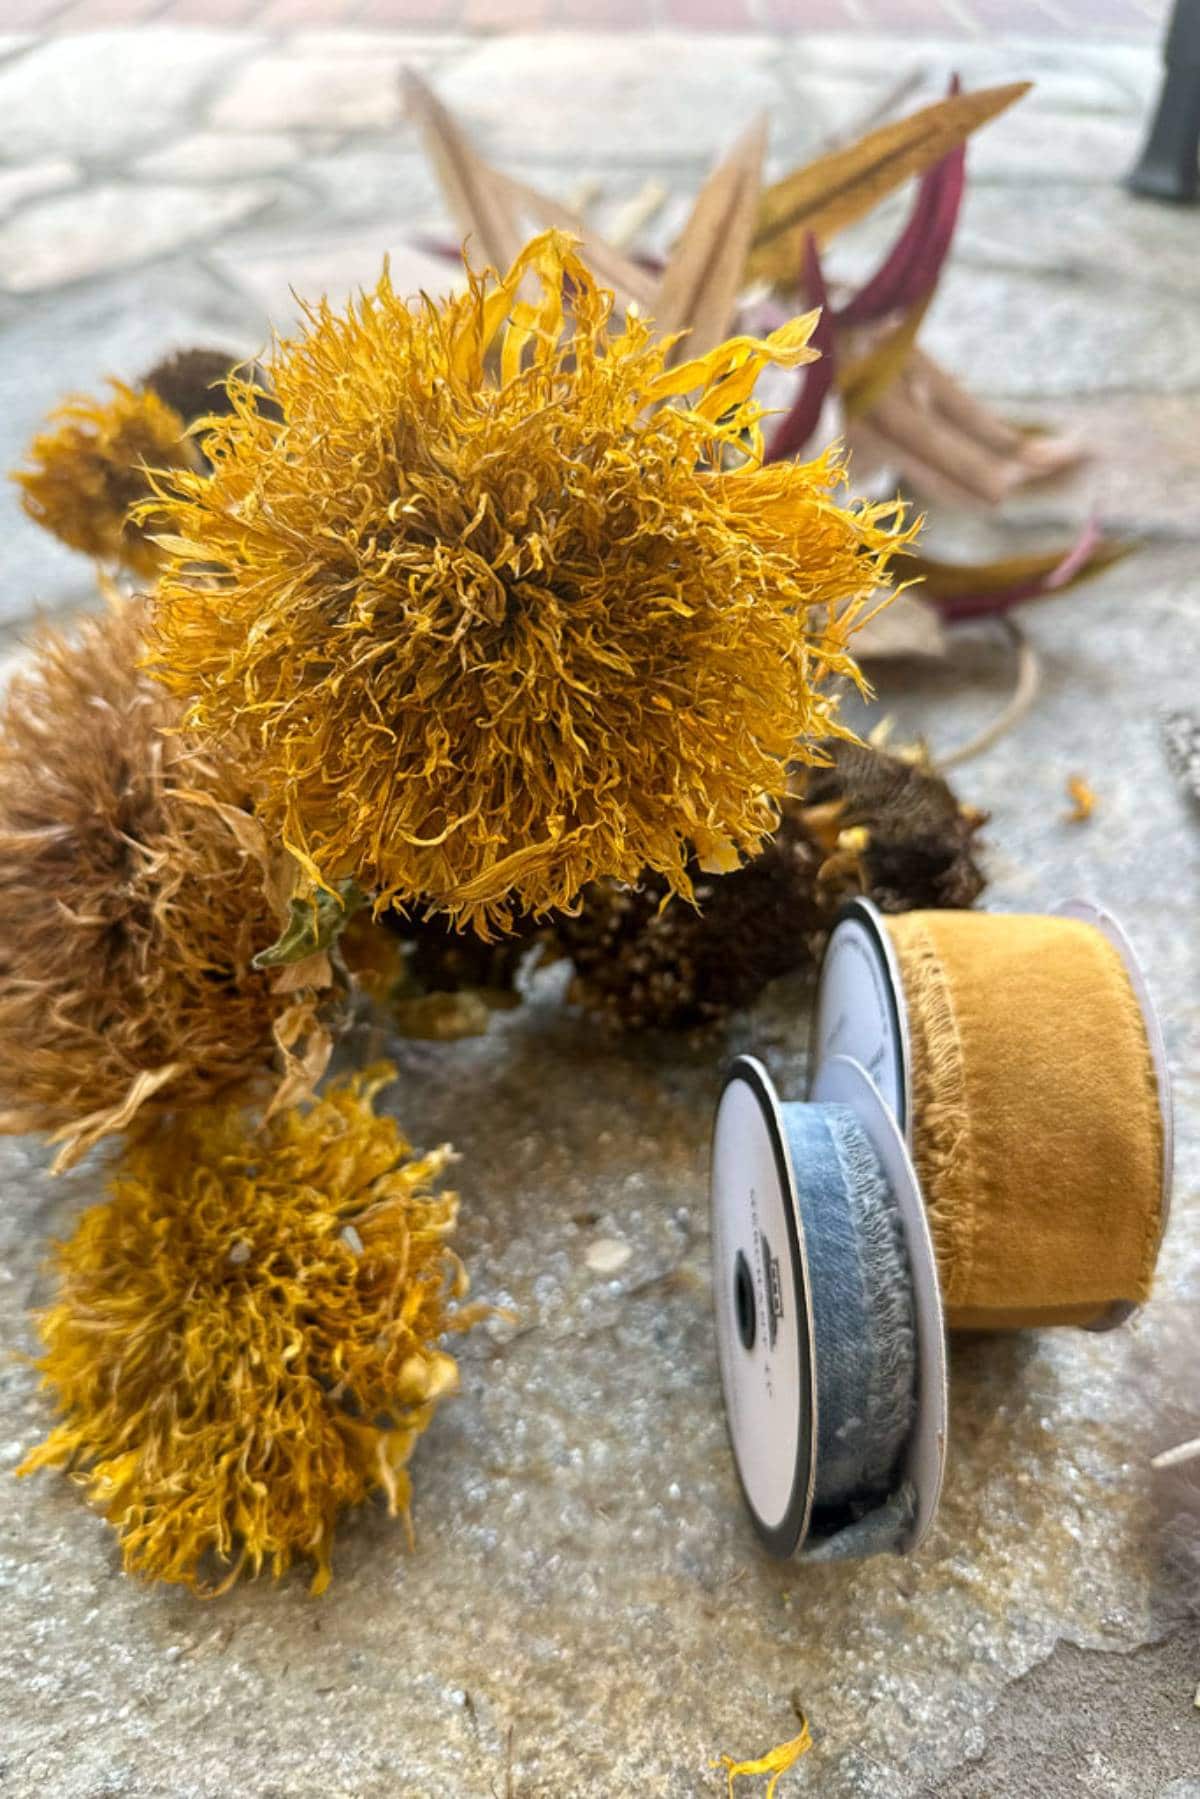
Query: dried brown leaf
{"x":908,"y":627}
{"x":480,"y":203}
{"x":826,"y":195}
{"x":699,"y":289}
{"x":864,"y":381}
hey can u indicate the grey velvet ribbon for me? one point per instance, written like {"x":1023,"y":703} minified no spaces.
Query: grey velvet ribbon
{"x":861,"y":1295}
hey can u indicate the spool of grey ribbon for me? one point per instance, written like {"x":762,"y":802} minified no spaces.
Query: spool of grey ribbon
{"x":829,"y":1324}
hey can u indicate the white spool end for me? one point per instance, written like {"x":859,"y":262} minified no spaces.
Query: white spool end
{"x":861,"y":1011}
{"x":1090,"y":912}
{"x":763,"y":1316}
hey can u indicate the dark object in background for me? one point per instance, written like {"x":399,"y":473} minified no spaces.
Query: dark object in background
{"x":1169,"y":166}
{"x":870,"y":823}
{"x":443,"y":960}
{"x":192,"y":383}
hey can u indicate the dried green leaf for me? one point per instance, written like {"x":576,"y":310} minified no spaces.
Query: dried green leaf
{"x":314,"y":924}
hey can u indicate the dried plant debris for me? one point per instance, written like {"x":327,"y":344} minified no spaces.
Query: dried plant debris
{"x":443,"y":960}
{"x":903,"y":412}
{"x":868,"y":823}
{"x":504,"y":605}
{"x":246,"y":1337}
{"x":1083,"y":800}
{"x":433,"y":981}
{"x":135,"y":891}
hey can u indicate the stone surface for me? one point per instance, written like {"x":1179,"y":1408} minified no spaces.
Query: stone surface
{"x":1084,"y":1724}
{"x":1033,"y":146}
{"x":1080,"y":236}
{"x":586,"y":1611}
{"x":31,"y":179}
{"x":277,"y":274}
{"x":278,"y":91}
{"x":1036,"y":337}
{"x":82,"y":235}
{"x":389,"y":180}
{"x":104,"y":94}
{"x":219,"y":156}
{"x":607,"y":97}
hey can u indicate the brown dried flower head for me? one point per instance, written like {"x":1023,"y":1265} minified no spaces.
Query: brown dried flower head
{"x":134,"y":892}
{"x":867,"y":823}
{"x":504,"y":604}
{"x":90,"y":470}
{"x":246,"y":1335}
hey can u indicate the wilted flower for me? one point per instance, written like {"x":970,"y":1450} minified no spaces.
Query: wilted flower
{"x":135,"y":889}
{"x":868,"y":823}
{"x":90,"y":470}
{"x":245,"y":1338}
{"x":503,"y":604}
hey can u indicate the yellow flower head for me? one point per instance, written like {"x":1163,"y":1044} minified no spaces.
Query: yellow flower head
{"x":504,"y":604}
{"x":245,"y":1336}
{"x":135,"y":890}
{"x":90,"y":469}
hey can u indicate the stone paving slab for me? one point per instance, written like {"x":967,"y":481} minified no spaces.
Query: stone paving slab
{"x":966,"y":18}
{"x":586,"y":1611}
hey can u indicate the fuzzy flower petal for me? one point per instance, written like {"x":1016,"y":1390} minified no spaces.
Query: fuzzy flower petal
{"x":90,"y":470}
{"x":135,"y":891}
{"x":504,"y":605}
{"x":246,"y":1334}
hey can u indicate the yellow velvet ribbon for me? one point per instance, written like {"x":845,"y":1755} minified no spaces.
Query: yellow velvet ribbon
{"x":1037,"y":1133}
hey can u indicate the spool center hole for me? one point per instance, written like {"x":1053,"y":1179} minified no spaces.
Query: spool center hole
{"x":743,"y":1301}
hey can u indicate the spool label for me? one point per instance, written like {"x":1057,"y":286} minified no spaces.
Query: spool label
{"x":857,"y":1011}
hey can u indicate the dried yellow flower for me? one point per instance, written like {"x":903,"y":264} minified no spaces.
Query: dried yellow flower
{"x":135,"y":889}
{"x":504,"y":604}
{"x":245,"y":1336}
{"x":90,"y":470}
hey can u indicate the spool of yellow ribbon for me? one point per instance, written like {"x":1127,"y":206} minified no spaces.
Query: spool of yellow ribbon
{"x":1036,"y":1117}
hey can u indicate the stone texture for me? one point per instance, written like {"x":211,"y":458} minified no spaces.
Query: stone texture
{"x":1073,"y":76}
{"x":279,"y":91}
{"x":105,"y":94}
{"x":1082,"y":237}
{"x":1144,"y":473}
{"x":388,"y":180}
{"x":1037,"y":338}
{"x":1033,"y":146}
{"x":30,"y":180}
{"x":607,"y":97}
{"x":219,"y":156}
{"x":278,"y":273}
{"x":83,"y":235}
{"x":1084,"y":1724}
